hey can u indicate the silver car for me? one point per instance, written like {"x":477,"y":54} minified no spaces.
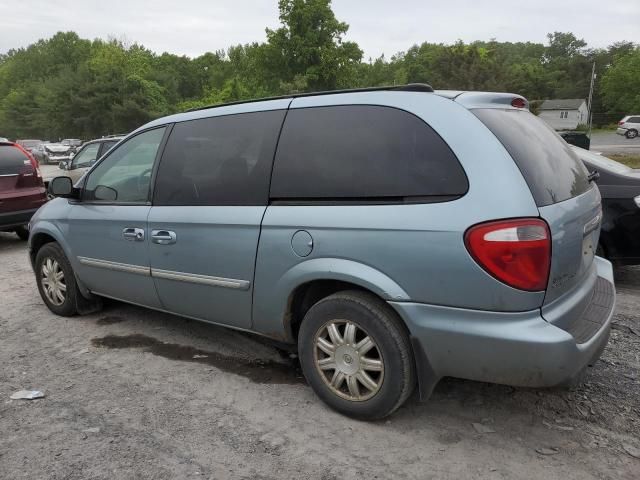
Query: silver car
{"x":362,"y":228}
{"x":629,"y":126}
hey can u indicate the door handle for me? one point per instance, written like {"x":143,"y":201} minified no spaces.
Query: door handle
{"x":133,"y":234}
{"x":163,"y":237}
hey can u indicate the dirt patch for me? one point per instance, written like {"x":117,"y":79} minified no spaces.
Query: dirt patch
{"x":110,"y":320}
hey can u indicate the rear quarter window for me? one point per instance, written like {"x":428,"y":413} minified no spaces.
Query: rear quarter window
{"x":551,"y":169}
{"x":363,"y":152}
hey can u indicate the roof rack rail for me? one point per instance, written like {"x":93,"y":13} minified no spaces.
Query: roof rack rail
{"x":410,"y":87}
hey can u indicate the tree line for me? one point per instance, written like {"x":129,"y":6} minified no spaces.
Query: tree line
{"x":67,"y":86}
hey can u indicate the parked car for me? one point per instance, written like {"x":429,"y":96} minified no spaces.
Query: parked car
{"x":22,"y":191}
{"x":72,"y":142}
{"x":629,"y":126}
{"x":4,"y":139}
{"x":359,"y":227}
{"x":87,"y":156}
{"x":620,"y":189}
{"x":34,"y":147}
{"x":57,"y":152}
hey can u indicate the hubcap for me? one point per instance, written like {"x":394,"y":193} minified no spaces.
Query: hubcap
{"x":348,"y":359}
{"x":53,"y":282}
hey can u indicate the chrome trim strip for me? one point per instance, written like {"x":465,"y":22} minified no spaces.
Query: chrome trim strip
{"x":201,"y":279}
{"x":118,"y":267}
{"x":10,"y":175}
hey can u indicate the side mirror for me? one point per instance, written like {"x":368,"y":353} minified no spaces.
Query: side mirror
{"x":63,"y":166}
{"x":105,"y":194}
{"x":72,"y":154}
{"x":61,"y":187}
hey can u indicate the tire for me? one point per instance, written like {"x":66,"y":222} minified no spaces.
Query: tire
{"x":389,"y":372}
{"x":631,"y":133}
{"x":22,"y":232}
{"x":49,"y":261}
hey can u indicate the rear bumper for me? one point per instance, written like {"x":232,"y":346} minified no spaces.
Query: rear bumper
{"x":621,"y":131}
{"x":519,"y":349}
{"x":15,"y":219}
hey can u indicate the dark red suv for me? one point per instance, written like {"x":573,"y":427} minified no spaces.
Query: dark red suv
{"x":22,"y":190}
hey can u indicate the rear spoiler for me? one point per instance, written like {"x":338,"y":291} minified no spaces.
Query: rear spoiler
{"x":473,"y":100}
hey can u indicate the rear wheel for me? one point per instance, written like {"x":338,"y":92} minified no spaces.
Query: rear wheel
{"x":22,"y":232}
{"x":631,"y":133}
{"x":356,"y":355}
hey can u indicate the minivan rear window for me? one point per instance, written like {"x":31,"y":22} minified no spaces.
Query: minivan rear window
{"x":12,"y":160}
{"x":551,"y":169}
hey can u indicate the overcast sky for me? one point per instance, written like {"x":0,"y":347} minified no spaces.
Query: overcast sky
{"x":192,"y":27}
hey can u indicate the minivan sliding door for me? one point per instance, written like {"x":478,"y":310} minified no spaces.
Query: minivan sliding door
{"x":210,"y":196}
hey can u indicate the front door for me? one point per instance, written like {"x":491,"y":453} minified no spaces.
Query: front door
{"x":210,"y":196}
{"x":108,"y":227}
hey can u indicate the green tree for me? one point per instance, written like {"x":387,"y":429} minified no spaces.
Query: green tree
{"x":619,"y":84}
{"x":308,"y":50}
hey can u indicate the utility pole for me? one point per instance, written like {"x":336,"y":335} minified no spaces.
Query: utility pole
{"x":590,"y":102}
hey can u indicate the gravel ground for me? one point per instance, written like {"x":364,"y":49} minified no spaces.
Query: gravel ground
{"x":132,"y":393}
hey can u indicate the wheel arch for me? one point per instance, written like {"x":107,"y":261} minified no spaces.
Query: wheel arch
{"x":44,"y":233}
{"x":281,"y":308}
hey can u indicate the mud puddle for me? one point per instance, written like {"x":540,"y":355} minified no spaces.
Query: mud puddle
{"x":257,"y":371}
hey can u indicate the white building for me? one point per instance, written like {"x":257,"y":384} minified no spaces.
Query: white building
{"x":564,"y":114}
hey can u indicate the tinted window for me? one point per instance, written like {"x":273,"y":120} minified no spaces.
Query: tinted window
{"x":634,"y":120}
{"x":219,"y":161}
{"x":551,"y":169}
{"x":363,"y":152}
{"x":124,"y":176}
{"x":13,"y":161}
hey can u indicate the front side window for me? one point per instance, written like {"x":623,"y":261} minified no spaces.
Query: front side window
{"x":222,"y":160}
{"x":363,"y":152}
{"x":86,"y":157}
{"x":125,"y":175}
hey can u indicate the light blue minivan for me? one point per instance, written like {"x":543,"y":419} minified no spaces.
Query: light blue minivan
{"x":394,"y":236}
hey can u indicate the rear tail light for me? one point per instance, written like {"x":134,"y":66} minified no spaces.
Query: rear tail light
{"x":516,"y":252}
{"x":621,"y":122}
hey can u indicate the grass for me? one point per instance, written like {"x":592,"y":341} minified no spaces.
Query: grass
{"x":604,"y":129}
{"x":632,"y":161}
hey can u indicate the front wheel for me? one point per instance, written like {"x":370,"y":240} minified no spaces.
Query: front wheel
{"x":631,"y":133}
{"x":356,"y":355}
{"x":56,"y":281}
